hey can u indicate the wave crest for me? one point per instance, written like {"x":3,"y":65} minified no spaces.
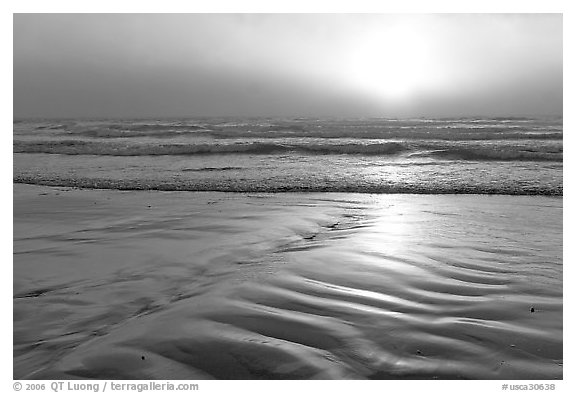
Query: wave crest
{"x":75,"y":147}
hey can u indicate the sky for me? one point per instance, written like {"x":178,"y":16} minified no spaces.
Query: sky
{"x":378,"y":65}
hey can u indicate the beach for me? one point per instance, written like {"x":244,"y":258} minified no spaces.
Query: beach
{"x":112,"y":284}
{"x":288,"y":196}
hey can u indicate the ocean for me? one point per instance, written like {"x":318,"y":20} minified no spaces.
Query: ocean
{"x":518,"y":156}
{"x":255,"y":248}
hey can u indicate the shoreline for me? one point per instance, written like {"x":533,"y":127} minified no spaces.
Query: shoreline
{"x":99,"y":184}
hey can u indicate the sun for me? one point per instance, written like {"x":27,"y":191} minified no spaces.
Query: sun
{"x":395,"y":64}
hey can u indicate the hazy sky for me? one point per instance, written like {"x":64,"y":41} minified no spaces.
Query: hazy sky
{"x":149,"y":65}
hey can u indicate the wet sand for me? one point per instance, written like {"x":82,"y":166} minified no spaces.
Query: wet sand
{"x":199,"y":285}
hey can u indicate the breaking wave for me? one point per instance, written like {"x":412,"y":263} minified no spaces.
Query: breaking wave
{"x":518,"y":154}
{"x":470,"y":152}
{"x":76,"y":147}
{"x":292,"y":185}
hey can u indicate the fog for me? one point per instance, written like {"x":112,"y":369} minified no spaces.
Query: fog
{"x":160,"y":65}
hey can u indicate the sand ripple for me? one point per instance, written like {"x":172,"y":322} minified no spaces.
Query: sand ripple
{"x":289,"y":287}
